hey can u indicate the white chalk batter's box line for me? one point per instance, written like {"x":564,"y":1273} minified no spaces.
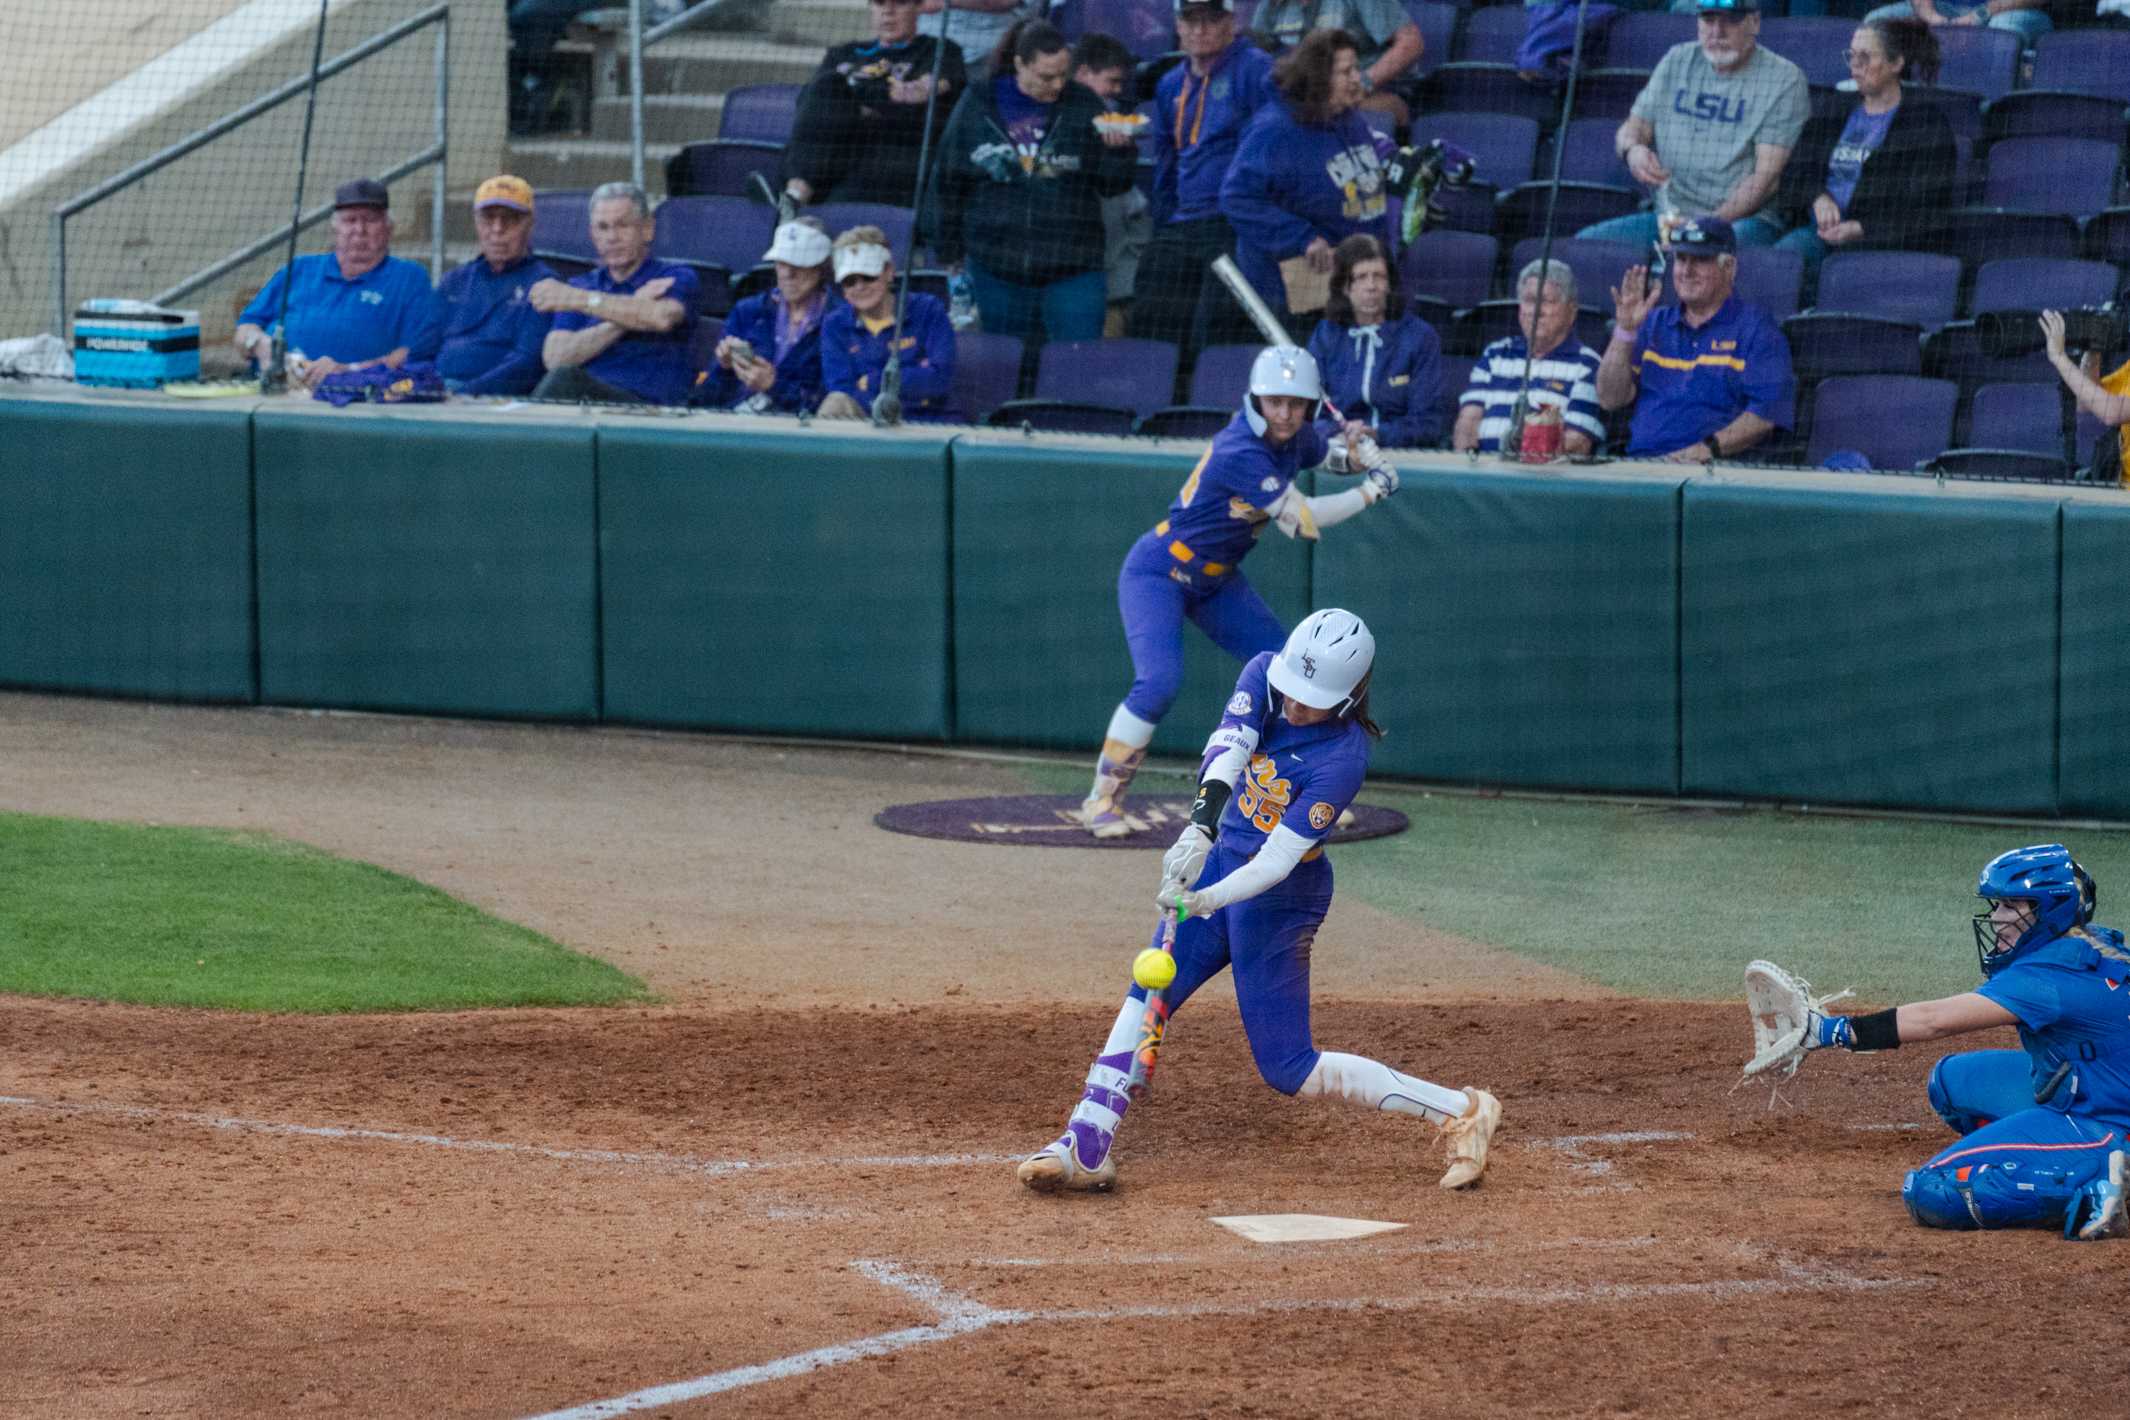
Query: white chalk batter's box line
{"x":960,"y":1315}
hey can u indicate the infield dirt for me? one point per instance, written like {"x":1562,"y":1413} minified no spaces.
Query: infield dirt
{"x":198,"y":1222}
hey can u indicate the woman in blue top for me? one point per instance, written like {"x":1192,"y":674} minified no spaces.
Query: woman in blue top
{"x":1187,"y":566}
{"x":1308,"y":173}
{"x":2043,"y":1126}
{"x":1288,"y":757}
{"x":1382,"y":367}
{"x":769,"y":358}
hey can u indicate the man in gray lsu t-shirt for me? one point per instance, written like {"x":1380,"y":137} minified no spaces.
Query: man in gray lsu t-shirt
{"x":1709,"y":133}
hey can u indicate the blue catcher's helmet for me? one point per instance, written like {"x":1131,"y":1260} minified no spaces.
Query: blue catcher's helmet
{"x":2045,"y":875}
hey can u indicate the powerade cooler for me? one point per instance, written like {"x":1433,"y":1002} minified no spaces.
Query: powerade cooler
{"x":135,"y":344}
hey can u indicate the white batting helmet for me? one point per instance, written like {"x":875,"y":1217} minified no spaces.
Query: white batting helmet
{"x":1282,"y":369}
{"x":1326,"y":662}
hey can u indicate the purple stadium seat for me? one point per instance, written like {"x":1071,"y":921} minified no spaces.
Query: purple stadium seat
{"x":2000,"y":464}
{"x":1817,"y":44}
{"x":1063,"y":416}
{"x":2053,"y":113}
{"x":1639,"y":38}
{"x":562,"y":223}
{"x":1184,"y":421}
{"x":1219,"y":377}
{"x":761,"y":112}
{"x":1588,"y":154}
{"x":900,"y":223}
{"x":1609,"y":93}
{"x":721,"y":167}
{"x":2087,"y":432}
{"x":2107,"y":237}
{"x":1505,"y":146}
{"x":1456,"y":374}
{"x":1522,"y":210}
{"x":1438,"y":33}
{"x":1472,"y":87}
{"x":1490,"y":321}
{"x":2084,"y":62}
{"x":1771,"y":279}
{"x":987,"y":372}
{"x":1491,"y":35}
{"x":1135,"y":375}
{"x":2075,"y":175}
{"x":2017,"y":416}
{"x":1923,"y":287}
{"x":1980,"y":60}
{"x":1454,"y":267}
{"x":725,"y":231}
{"x":1962,"y":109}
{"x":2027,"y":283}
{"x":1978,"y":235}
{"x":1852,"y":412}
{"x":1824,"y":343}
{"x":1954,"y":352}
{"x":1598,"y":266}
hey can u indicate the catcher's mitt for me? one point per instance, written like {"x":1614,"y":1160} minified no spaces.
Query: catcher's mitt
{"x":1782,"y":1006}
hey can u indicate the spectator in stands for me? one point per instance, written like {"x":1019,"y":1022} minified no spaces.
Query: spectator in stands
{"x":536,"y":27}
{"x":1387,"y":44}
{"x":1200,"y":110}
{"x":976,"y":25}
{"x":622,"y":330}
{"x":1103,"y":66}
{"x":1562,"y":370}
{"x":1712,"y":129}
{"x":1023,"y":171}
{"x":1380,"y":366}
{"x":492,"y":332}
{"x":2028,"y":19}
{"x":1712,"y":373}
{"x":2106,"y":399}
{"x":350,"y":308}
{"x":769,"y":359}
{"x":856,"y":336}
{"x":1308,"y":173}
{"x":861,"y":119}
{"x":1878,"y":175}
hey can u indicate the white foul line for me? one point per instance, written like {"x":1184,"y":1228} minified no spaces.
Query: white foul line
{"x":677,"y":1163}
{"x":962,"y":1316}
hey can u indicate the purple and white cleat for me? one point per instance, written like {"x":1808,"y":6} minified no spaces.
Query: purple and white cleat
{"x":1059,"y":1169}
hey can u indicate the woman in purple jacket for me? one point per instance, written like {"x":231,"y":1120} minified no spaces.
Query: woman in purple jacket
{"x":1382,"y":368}
{"x":769,"y":360}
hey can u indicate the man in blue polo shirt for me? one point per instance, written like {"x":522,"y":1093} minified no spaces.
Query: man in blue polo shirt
{"x":354,"y":307}
{"x":622,"y":330}
{"x":492,"y":334}
{"x":1710,"y":377}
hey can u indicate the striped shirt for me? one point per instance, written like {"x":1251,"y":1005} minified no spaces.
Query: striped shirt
{"x":1560,"y":380}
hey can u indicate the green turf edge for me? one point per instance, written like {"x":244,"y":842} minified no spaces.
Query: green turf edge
{"x":243,"y":920}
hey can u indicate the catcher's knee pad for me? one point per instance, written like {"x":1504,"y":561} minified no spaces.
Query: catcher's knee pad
{"x":1992,"y":1195}
{"x":1962,"y":1121}
{"x":1935,"y":1201}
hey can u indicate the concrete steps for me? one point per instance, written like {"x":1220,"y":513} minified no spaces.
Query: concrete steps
{"x":819,"y":23}
{"x":581,"y":162}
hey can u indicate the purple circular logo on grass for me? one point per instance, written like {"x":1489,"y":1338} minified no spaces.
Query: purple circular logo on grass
{"x":1052,"y":821}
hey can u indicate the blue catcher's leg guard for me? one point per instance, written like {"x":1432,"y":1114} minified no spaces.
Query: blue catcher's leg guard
{"x":1977,"y":1087}
{"x":1935,"y":1201}
{"x":1994,"y":1195}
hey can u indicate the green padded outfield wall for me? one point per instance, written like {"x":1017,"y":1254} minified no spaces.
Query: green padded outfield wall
{"x":1840,"y":647}
{"x":786,"y":582}
{"x":1526,"y":627}
{"x":427,"y":565}
{"x":2095,"y":719}
{"x":1040,"y":529}
{"x":125,"y":543}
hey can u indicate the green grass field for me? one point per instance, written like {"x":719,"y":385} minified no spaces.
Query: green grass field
{"x":200,"y":917}
{"x":1662,"y":900}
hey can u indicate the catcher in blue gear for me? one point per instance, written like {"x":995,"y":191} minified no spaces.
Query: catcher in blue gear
{"x":2042,"y":1128}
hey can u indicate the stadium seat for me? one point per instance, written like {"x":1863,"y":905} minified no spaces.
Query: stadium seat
{"x":1456,"y":374}
{"x":1184,"y":421}
{"x":987,"y":372}
{"x":2000,"y":463}
{"x":1438,"y":33}
{"x":1062,"y":416}
{"x":717,"y":236}
{"x":1489,"y":321}
{"x":1217,"y":380}
{"x":899,"y":223}
{"x":1824,"y":343}
{"x":1491,"y":35}
{"x":1772,"y":279}
{"x":1639,"y":38}
{"x":562,"y":224}
{"x":1976,"y":236}
{"x":1522,"y":210}
{"x":721,"y":167}
{"x":2106,"y":236}
{"x":2086,"y":431}
{"x":1609,"y":93}
{"x":1597,"y":265}
{"x":1504,"y":146}
{"x":2084,"y":61}
{"x":2052,"y":113}
{"x":2042,"y":283}
{"x":1471,"y":87}
{"x":763,"y":113}
{"x":2074,"y":175}
{"x":2017,"y":416}
{"x":1817,"y":44}
{"x":1456,"y":268}
{"x":1895,"y":421}
{"x":1134,"y":375}
{"x":1923,"y":287}
{"x":1954,"y":352}
{"x":1588,"y":154}
{"x":1962,"y":109}
{"x":1978,"y":59}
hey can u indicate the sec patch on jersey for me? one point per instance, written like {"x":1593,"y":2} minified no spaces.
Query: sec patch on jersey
{"x":1239,"y":703}
{"x":1320,"y":816}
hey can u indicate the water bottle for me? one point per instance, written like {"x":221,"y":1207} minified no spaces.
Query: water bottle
{"x":961,"y":307}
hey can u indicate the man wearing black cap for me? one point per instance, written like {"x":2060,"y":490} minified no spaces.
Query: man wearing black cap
{"x":356,"y":306}
{"x":1710,"y":377}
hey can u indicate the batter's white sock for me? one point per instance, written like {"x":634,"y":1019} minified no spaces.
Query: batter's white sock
{"x":1370,"y":1084}
{"x":1123,"y":747}
{"x":1101,"y":1108}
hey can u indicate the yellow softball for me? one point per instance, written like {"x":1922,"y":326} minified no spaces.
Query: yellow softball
{"x":1153,"y":968}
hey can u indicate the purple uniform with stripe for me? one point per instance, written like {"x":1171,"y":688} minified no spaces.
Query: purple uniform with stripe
{"x":2020,"y":1161}
{"x":1302,"y":777}
{"x":1186,"y":567}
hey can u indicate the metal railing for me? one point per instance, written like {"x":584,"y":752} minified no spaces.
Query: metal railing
{"x":438,"y":16}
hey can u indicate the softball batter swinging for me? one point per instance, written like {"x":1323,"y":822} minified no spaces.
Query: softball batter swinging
{"x":1188,"y":566}
{"x":1289,"y":754}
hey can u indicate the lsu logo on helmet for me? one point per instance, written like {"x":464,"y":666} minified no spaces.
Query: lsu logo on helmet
{"x":1320,"y":816}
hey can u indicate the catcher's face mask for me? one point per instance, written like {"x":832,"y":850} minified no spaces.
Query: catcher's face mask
{"x":2002,"y":929}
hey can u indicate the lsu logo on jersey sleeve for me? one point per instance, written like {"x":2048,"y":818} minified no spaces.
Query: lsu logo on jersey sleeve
{"x":1320,"y":816}
{"x":1265,"y":795}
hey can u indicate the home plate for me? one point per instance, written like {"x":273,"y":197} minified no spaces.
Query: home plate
{"x":1302,"y":1227}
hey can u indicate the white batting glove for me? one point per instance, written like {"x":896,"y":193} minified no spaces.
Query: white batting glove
{"x":1186,"y":858}
{"x":1181,"y":903}
{"x":1382,"y":481}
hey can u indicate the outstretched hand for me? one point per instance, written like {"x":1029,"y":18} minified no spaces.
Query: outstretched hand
{"x":2052,"y":333}
{"x":1635,"y":297}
